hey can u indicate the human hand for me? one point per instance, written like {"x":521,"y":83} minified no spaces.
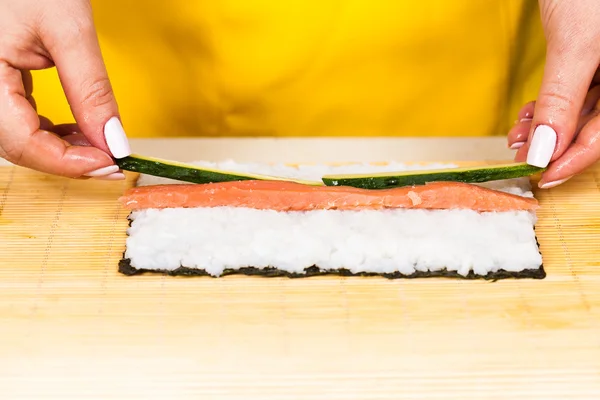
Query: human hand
{"x":41,"y":34}
{"x":561,"y":130}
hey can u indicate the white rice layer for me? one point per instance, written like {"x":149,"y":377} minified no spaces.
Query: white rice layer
{"x":382,"y":241}
{"x":375,"y":241}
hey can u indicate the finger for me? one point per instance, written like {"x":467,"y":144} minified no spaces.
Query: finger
{"x":596,"y":78}
{"x":591,"y":100}
{"x":517,"y":136}
{"x":76,"y":52}
{"x":521,"y":155}
{"x":567,"y":76}
{"x":71,"y":134}
{"x":45,"y":152}
{"x":523,"y":148}
{"x":584,"y":152}
{"x":527,"y":111}
{"x":27,"y":82}
{"x":28,"y":86}
{"x":22,"y":142}
{"x":32,"y":102}
{"x":583,"y":121}
{"x":68,"y":132}
{"x":519,"y":133}
{"x":77,"y":139}
{"x":66,"y":129}
{"x":45,"y":123}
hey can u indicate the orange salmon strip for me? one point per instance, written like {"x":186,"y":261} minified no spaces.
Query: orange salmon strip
{"x":290,"y":196}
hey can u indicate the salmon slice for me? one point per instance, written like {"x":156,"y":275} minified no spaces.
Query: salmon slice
{"x":290,"y":196}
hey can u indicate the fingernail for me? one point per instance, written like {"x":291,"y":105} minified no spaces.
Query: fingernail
{"x":117,"y":176}
{"x":542,"y":146}
{"x":103,"y":171}
{"x":525,"y":119}
{"x":552,"y":184}
{"x":517,"y":145}
{"x":116,"y":138}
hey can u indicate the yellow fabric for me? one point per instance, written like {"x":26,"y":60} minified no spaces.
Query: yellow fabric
{"x":315,"y":67}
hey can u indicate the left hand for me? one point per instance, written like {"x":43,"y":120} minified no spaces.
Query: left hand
{"x":561,"y":130}
{"x":57,"y":33}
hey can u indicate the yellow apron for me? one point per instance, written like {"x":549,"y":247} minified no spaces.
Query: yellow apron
{"x":315,"y":67}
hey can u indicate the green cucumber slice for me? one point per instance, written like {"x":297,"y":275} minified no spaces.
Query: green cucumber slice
{"x":192,"y":173}
{"x":387,"y":180}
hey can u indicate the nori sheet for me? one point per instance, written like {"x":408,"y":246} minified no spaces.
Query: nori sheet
{"x":126,"y":268}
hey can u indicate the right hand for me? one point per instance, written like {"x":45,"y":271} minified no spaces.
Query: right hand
{"x":561,"y":129}
{"x":41,"y":34}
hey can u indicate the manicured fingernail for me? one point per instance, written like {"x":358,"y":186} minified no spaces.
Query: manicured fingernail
{"x":103,"y":171}
{"x":117,"y":176}
{"x":542,"y":146}
{"x":517,"y":145}
{"x":552,"y":184}
{"x":116,"y":138}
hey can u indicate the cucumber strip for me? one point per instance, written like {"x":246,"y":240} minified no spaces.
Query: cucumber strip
{"x":387,"y":180}
{"x":192,"y":173}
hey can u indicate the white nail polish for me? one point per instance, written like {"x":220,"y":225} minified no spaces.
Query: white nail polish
{"x":103,"y":171}
{"x":517,"y":145}
{"x":542,"y":146}
{"x":116,"y":138}
{"x":117,"y":176}
{"x":552,"y":184}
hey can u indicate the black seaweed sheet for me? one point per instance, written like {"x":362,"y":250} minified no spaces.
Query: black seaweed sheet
{"x":126,"y":269}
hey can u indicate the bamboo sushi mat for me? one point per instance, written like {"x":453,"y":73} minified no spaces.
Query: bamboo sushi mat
{"x":72,"y":327}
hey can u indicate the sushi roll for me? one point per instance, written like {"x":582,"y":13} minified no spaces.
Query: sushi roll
{"x":283,"y":228}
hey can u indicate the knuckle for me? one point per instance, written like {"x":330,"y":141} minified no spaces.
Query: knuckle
{"x":72,"y":29}
{"x":98,"y":93}
{"x":556,"y":98}
{"x":85,"y":26}
{"x":79,"y":20}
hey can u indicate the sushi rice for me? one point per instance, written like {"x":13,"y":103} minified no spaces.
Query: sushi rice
{"x":385,"y":241}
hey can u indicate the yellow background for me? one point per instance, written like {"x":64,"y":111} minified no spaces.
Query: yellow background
{"x":330,"y":68}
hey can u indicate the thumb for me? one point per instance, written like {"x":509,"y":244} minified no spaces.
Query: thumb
{"x":567,"y":76}
{"x":76,"y":53}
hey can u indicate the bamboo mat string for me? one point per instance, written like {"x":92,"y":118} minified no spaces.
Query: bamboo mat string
{"x":6,"y":190}
{"x":49,"y":245}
